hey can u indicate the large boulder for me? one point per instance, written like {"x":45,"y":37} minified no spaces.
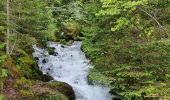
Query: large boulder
{"x":64,"y":88}
{"x":24,"y":89}
{"x":70,"y":29}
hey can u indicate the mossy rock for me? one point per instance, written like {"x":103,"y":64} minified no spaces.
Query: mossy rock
{"x":70,"y":29}
{"x":23,"y":83}
{"x":53,"y":91}
{"x":46,"y":78}
{"x":64,"y":88}
{"x":38,"y":90}
{"x":51,"y":50}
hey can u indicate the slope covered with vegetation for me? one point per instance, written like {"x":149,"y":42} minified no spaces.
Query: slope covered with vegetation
{"x":24,"y":23}
{"x":127,"y":41}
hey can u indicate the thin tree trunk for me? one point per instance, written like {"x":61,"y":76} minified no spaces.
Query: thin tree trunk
{"x":8,"y":28}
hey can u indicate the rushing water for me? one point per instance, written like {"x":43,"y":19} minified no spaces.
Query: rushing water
{"x":70,"y":65}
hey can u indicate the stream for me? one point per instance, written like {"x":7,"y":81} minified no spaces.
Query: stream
{"x":70,"y":65}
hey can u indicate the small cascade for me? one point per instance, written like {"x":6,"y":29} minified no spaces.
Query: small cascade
{"x":70,"y":65}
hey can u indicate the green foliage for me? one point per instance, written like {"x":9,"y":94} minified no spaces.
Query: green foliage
{"x":98,"y":78}
{"x":135,"y":69}
{"x":22,"y":83}
{"x":31,"y":18}
{"x":29,"y":89}
{"x":26,"y":93}
{"x":26,"y":64}
{"x":55,"y":97}
{"x":67,"y":15}
{"x":126,"y":42}
{"x":24,"y":87}
{"x":4,"y":73}
{"x":70,"y":29}
{"x":135,"y":15}
{"x":2,"y":44}
{"x":1,"y":97}
{"x":119,"y":8}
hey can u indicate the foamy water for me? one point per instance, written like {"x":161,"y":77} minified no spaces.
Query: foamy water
{"x":70,"y":65}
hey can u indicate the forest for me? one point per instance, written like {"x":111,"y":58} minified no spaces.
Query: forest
{"x":126,"y":41}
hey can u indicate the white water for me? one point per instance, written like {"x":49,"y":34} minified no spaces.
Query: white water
{"x":71,"y":66}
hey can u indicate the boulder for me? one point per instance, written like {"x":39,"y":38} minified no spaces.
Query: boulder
{"x":70,"y":29}
{"x":51,"y":50}
{"x":46,"y":78}
{"x":55,"y":54}
{"x":24,"y":89}
{"x":36,"y":58}
{"x":44,"y":61}
{"x":64,"y":88}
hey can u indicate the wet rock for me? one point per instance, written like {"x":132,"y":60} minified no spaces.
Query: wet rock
{"x":46,"y":78}
{"x":70,"y":42}
{"x":62,"y":46}
{"x":36,"y":58}
{"x":51,"y":50}
{"x":64,"y":88}
{"x":44,"y":61}
{"x":116,"y":98}
{"x":55,"y":54}
{"x":48,"y":69}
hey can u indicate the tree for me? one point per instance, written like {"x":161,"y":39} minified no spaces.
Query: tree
{"x":8,"y":29}
{"x":122,"y":39}
{"x":28,"y":18}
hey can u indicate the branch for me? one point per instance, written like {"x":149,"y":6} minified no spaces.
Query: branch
{"x":161,"y":26}
{"x":12,"y":49}
{"x":154,"y":18}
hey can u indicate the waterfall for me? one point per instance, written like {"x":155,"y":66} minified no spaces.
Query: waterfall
{"x":70,"y":65}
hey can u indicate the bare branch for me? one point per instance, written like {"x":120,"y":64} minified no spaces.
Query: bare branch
{"x":152,"y":17}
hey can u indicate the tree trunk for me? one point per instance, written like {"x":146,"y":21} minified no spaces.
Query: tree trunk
{"x":8,"y":28}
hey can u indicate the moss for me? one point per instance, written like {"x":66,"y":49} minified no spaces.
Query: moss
{"x":26,"y":93}
{"x":26,"y":64}
{"x":38,"y":90}
{"x":51,"y":50}
{"x":12,"y":69}
{"x":23,"y":84}
{"x":54,"y":84}
{"x":59,"y":96}
{"x":69,"y":42}
{"x":46,"y":78}
{"x":24,"y":87}
{"x":1,"y":97}
{"x":25,"y":43}
{"x":63,"y":88}
{"x":70,"y":28}
{"x":50,"y":91}
{"x":63,"y":41}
